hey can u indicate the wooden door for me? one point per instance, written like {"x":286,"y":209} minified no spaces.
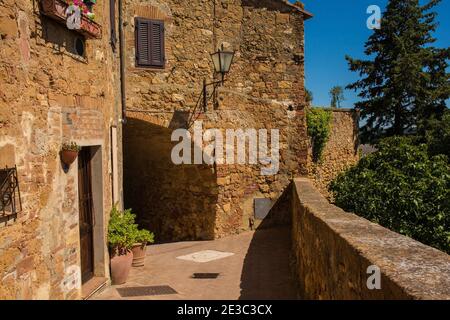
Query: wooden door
{"x":86,"y":214}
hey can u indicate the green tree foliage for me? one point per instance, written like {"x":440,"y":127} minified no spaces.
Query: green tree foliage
{"x":319,"y":123}
{"x":405,"y":83}
{"x":123,"y":233}
{"x":337,"y":96}
{"x":309,"y":97}
{"x":401,"y":187}
{"x":438,"y":135}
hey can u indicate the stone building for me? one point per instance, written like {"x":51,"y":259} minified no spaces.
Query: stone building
{"x":57,"y":86}
{"x":264,"y":90}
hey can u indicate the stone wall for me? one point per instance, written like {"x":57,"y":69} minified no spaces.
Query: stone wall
{"x":50,"y":95}
{"x":333,"y":250}
{"x":264,"y":90}
{"x":341,"y":150}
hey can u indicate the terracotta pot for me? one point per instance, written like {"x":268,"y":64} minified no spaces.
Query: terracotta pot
{"x":120,"y":268}
{"x":68,"y":156}
{"x":138,"y":254}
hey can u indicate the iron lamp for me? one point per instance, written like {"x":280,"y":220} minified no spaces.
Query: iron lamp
{"x":222,"y":61}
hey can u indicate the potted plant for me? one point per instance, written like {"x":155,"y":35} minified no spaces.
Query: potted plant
{"x":143,"y":238}
{"x":69,"y":152}
{"x":121,"y":237}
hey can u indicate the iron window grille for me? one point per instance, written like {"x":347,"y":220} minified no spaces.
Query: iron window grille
{"x":10,"y":202}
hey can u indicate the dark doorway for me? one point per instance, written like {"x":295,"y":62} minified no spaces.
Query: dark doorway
{"x":86,"y":214}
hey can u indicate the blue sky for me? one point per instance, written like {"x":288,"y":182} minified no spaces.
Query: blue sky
{"x":339,"y":28}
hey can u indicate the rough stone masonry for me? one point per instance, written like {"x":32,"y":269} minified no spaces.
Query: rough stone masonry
{"x":264,"y":90}
{"x":49,"y":94}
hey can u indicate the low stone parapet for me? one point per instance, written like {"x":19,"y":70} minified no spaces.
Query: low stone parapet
{"x":337,"y":253}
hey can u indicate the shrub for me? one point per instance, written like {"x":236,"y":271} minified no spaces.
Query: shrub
{"x":123,"y":233}
{"x":401,"y":187}
{"x":319,"y":123}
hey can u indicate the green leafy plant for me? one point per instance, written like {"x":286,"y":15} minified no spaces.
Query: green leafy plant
{"x":145,"y":237}
{"x":71,"y":146}
{"x":401,"y":187}
{"x":319,"y":125}
{"x":123,"y":232}
{"x":438,"y":135}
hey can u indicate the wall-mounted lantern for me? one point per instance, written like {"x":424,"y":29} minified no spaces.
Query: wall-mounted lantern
{"x":222,"y":61}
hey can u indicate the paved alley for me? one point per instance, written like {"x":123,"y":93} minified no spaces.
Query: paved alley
{"x":255,"y":266}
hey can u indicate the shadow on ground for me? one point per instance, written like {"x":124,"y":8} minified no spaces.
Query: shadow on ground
{"x":266,"y":272}
{"x":175,"y":201}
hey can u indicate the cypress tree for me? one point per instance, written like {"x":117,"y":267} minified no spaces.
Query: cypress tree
{"x":404,"y":84}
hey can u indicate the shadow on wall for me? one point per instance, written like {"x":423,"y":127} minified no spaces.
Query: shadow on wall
{"x":62,"y":39}
{"x":266,"y":272}
{"x":176,"y":202}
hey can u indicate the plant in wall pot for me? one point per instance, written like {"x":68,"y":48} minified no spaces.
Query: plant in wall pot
{"x":143,"y":238}
{"x":69,"y":152}
{"x":122,"y":232}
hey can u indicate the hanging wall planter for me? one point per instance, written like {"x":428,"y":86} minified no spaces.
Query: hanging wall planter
{"x":57,"y":10}
{"x":69,"y":152}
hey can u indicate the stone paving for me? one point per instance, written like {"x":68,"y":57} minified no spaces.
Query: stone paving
{"x":258,"y":269}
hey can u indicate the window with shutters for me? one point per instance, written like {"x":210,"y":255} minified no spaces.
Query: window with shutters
{"x":150,"y":51}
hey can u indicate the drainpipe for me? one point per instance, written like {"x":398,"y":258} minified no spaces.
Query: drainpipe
{"x":122,"y":66}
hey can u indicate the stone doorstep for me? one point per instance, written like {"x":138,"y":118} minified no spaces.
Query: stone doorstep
{"x":92,"y":286}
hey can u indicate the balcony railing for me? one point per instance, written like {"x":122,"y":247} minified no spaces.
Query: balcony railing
{"x":10,"y":202}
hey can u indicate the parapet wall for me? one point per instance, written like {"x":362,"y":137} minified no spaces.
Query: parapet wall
{"x":333,"y":249}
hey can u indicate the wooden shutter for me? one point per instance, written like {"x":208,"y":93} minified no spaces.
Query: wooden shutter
{"x":150,"y":43}
{"x":142,"y":42}
{"x":157,"y":44}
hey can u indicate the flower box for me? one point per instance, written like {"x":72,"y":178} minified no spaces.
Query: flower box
{"x":56,"y":9}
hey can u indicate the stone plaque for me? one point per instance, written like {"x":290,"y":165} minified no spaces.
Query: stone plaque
{"x":262,"y":208}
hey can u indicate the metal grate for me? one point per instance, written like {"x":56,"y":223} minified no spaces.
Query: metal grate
{"x":205,"y":275}
{"x":145,"y":291}
{"x":10,"y":202}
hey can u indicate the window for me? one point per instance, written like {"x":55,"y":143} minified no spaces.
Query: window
{"x":79,"y":46}
{"x":150,"y":51}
